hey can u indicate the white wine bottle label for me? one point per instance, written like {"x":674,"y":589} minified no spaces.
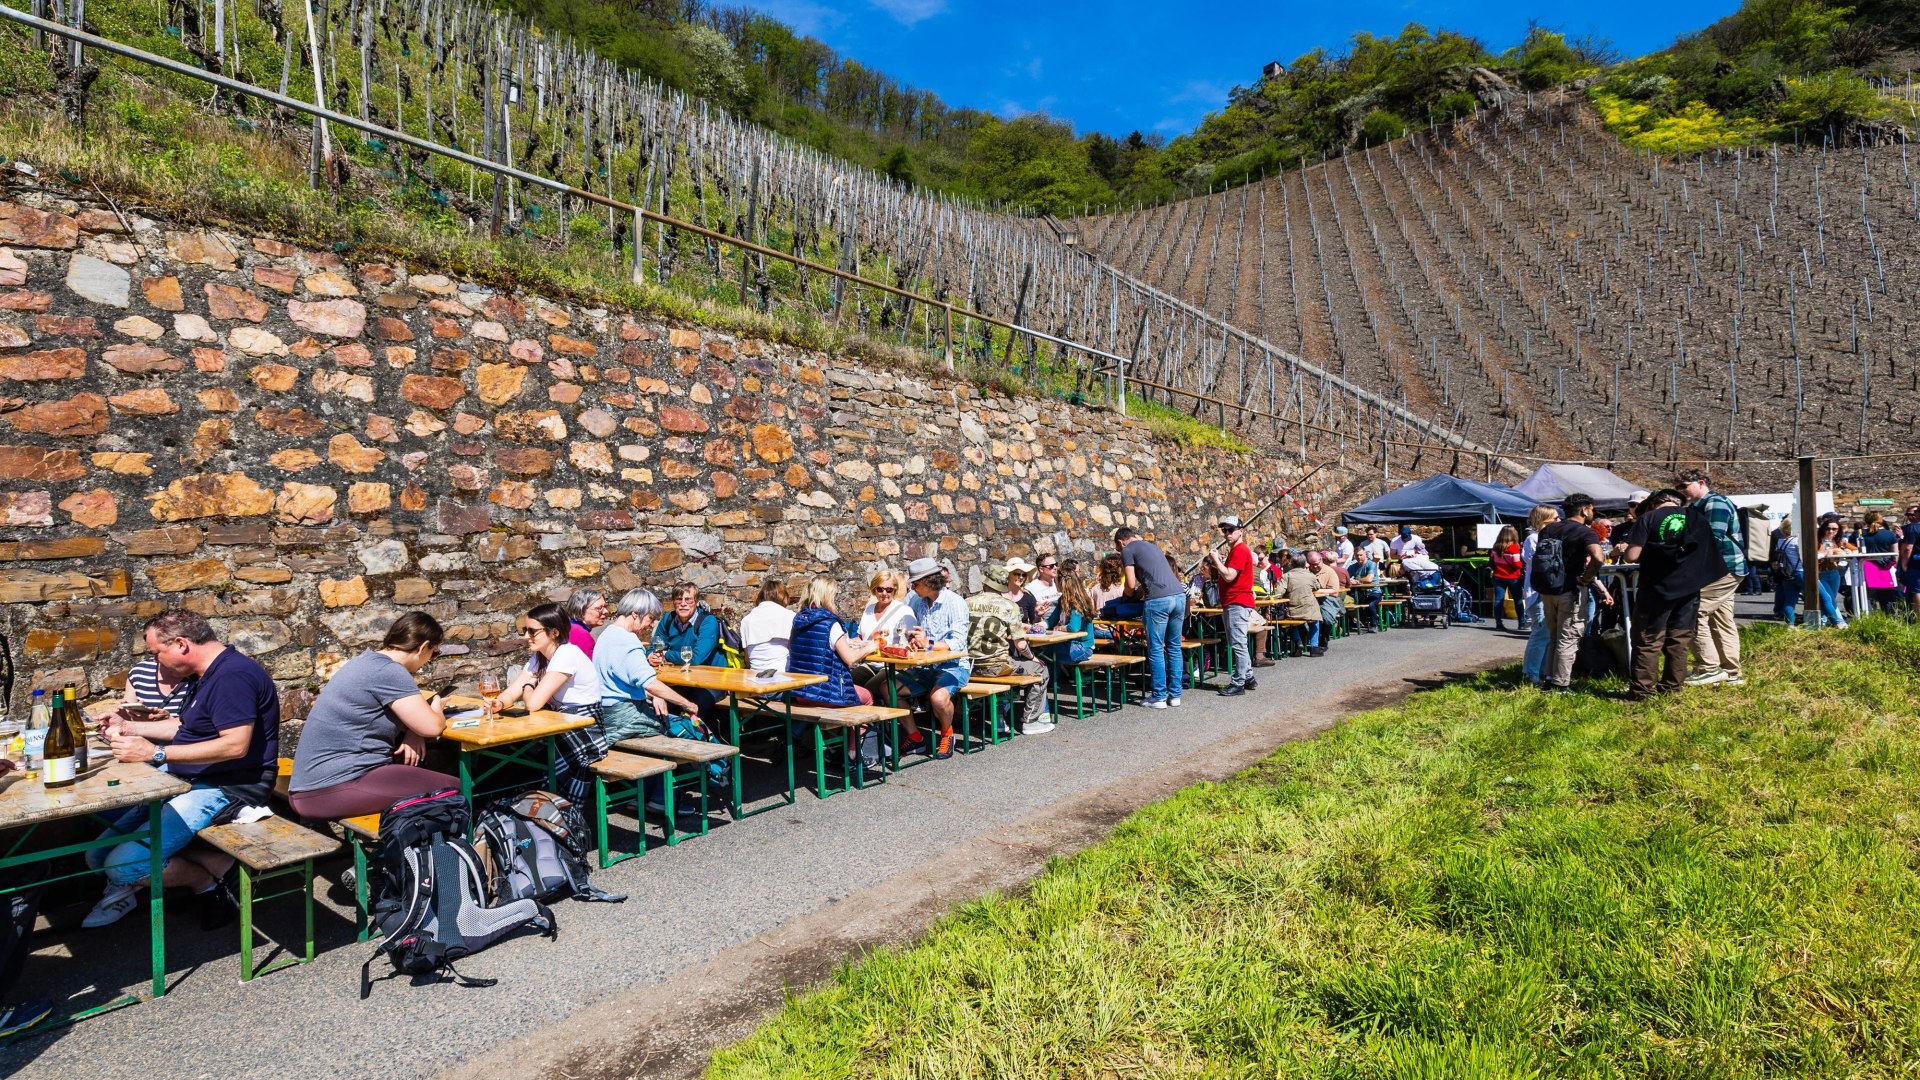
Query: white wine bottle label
{"x":58,"y":770}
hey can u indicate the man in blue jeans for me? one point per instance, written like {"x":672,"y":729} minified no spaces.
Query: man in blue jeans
{"x":1151,"y":577}
{"x":225,"y":743}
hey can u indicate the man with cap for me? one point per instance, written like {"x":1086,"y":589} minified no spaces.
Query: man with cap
{"x":1154,"y":580}
{"x":1234,"y":572}
{"x":1343,"y":545}
{"x":997,"y":640}
{"x":943,"y":619}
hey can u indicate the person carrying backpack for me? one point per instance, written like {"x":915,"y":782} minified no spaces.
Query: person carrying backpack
{"x":1677,"y":555}
{"x":1566,"y":561}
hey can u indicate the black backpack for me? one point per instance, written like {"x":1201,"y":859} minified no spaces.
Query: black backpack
{"x":429,"y":896}
{"x":1549,"y":567}
{"x":535,"y":847}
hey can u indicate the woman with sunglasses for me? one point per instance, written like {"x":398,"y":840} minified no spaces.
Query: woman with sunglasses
{"x":559,"y":676}
{"x":1832,"y":572}
{"x":886,"y":614}
{"x":360,"y":749}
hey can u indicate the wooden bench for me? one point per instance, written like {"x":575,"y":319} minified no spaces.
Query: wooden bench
{"x":626,"y":772}
{"x":1012,"y":682}
{"x":990,"y":692}
{"x":1107,"y":666}
{"x":263,"y":850}
{"x":837,"y":729}
{"x":691,"y":758}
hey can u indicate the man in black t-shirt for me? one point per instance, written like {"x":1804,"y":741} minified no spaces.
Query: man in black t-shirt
{"x":1566,"y":560}
{"x":1678,"y":557}
{"x":225,"y":743}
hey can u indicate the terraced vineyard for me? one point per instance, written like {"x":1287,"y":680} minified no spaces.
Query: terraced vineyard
{"x":1537,"y":287}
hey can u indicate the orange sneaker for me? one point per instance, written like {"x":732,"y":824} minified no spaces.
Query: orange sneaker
{"x":945,"y":749}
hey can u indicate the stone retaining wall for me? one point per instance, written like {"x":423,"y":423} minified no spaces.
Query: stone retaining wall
{"x":299,"y":445}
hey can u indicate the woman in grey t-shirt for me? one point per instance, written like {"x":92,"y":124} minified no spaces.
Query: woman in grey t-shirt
{"x":360,"y":750}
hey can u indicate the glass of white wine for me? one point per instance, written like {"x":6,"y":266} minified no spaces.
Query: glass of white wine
{"x":686,"y":661}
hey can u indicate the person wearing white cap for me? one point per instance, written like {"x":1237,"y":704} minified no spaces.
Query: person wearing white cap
{"x":1235,"y":575}
{"x":1343,"y":546}
{"x":942,"y":617}
{"x":1019,"y":572}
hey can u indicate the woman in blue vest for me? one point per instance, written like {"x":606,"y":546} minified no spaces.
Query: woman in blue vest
{"x":821,"y":646}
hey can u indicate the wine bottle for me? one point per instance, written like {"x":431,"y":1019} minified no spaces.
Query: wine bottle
{"x":77,"y":723}
{"x":36,"y":731}
{"x":59,"y":767}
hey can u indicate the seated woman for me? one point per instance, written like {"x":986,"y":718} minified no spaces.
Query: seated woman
{"x":155,"y":687}
{"x":587,"y":608}
{"x":764,"y":633}
{"x":1112,"y":586}
{"x":821,"y":646}
{"x":633,"y":700}
{"x":1074,"y":613}
{"x":367,"y":716}
{"x":888,"y":611}
{"x":559,"y":676}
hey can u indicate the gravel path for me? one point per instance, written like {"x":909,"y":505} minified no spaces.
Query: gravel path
{"x":688,"y":905}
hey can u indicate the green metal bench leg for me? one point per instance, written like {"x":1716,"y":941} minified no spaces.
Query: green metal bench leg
{"x":247,"y":933}
{"x":361,"y":929}
{"x":246,"y":923}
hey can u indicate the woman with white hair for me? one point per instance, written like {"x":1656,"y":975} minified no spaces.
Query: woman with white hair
{"x":632,"y":697}
{"x":586,"y":612}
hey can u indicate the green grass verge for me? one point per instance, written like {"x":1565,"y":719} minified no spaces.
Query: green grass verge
{"x":1482,"y":881}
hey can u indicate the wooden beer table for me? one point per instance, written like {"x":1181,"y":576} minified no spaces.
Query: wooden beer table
{"x":737,"y":685}
{"x":106,"y":786}
{"x":500,"y":742}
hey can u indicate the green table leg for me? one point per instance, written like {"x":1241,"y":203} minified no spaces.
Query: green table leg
{"x":156,"y":911}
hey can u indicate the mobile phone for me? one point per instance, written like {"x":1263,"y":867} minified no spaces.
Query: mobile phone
{"x":142,"y":713}
{"x":442,"y":692}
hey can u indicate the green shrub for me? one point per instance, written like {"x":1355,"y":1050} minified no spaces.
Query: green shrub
{"x":1382,"y":126}
{"x":1453,"y":106}
{"x":1836,"y":97}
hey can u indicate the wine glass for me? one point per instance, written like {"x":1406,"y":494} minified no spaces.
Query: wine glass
{"x":686,"y":661}
{"x":490,"y":692}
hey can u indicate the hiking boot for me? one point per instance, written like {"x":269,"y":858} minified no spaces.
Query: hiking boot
{"x":1707,"y":678}
{"x":1251,"y":684}
{"x":946,"y":747}
{"x":1263,"y":663}
{"x":114,"y":905}
{"x":1232,"y":690}
{"x":22,"y":1015}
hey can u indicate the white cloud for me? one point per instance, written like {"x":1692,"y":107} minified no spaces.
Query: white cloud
{"x":908,"y":12}
{"x":1033,"y":68}
{"x":1206,"y":93}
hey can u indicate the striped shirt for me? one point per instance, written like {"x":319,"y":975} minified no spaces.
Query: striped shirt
{"x":144,"y":682}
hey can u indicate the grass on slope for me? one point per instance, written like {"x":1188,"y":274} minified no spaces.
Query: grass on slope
{"x":1483,"y":881}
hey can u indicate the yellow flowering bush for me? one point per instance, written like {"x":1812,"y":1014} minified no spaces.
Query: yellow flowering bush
{"x":1696,"y":126}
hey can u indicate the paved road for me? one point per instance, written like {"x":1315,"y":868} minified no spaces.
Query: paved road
{"x":688,"y":905}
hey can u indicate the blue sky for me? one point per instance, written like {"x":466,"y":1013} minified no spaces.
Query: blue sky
{"x":1160,"y":67}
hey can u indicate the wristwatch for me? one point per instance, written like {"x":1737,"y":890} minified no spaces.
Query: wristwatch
{"x":159,"y":756}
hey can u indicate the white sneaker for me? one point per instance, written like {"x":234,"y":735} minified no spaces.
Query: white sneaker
{"x":1155,"y":703}
{"x":113,"y":906}
{"x":1045,"y":718}
{"x":1707,"y":677}
{"x":1038,"y":727}
{"x":1173,"y":702}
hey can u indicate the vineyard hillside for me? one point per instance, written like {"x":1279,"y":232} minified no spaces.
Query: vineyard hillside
{"x":1536,"y":286}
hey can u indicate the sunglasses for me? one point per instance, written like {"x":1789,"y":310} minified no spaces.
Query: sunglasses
{"x":531,"y":631}
{"x":884,"y":590}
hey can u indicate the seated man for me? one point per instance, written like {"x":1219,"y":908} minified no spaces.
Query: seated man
{"x":1365,"y":577}
{"x":1298,"y":585}
{"x":994,"y":631}
{"x":942,"y":618}
{"x":225,"y":743}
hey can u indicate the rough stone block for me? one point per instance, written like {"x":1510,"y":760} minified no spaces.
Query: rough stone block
{"x":44,"y":366}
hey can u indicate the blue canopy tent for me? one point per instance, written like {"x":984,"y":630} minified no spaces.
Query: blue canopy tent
{"x":1443,"y":500}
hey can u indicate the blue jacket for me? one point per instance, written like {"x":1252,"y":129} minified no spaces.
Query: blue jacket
{"x":809,"y":652}
{"x":702,"y":636}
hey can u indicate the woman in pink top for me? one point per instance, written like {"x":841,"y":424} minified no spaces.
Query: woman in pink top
{"x":587,"y":611}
